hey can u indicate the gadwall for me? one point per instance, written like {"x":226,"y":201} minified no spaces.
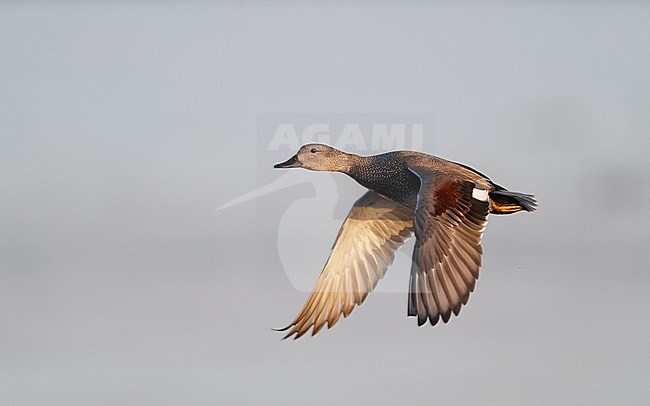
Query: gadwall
{"x":445,"y":203}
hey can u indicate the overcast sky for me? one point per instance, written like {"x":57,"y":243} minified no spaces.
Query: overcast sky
{"x":125,"y":125}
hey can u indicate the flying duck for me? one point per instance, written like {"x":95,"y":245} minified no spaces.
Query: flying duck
{"x":446,"y":205}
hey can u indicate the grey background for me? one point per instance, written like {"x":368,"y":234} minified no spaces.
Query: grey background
{"x":125,"y":125}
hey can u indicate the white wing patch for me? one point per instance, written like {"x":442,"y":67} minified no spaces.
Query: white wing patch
{"x":480,"y":194}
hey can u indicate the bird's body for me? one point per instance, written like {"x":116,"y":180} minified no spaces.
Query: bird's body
{"x":443,"y":203}
{"x":399,"y":183}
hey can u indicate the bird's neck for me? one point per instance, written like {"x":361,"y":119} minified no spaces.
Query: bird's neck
{"x":351,"y":163}
{"x":360,"y":169}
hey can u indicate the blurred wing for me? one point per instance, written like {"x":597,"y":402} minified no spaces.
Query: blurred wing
{"x":450,"y":218}
{"x":364,"y":249}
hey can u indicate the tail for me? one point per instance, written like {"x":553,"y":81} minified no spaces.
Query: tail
{"x":503,"y":201}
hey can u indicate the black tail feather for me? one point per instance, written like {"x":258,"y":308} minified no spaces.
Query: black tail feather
{"x":503,"y":201}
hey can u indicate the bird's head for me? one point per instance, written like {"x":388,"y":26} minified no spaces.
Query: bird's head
{"x":318,"y":157}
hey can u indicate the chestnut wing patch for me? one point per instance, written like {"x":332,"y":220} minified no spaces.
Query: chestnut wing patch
{"x":446,"y":196}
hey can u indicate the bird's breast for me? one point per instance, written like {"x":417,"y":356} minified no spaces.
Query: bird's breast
{"x":398,"y":184}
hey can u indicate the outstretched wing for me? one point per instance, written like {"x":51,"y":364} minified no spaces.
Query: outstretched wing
{"x":450,"y":218}
{"x":364,"y":249}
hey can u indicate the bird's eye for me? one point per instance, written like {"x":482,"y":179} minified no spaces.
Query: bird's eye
{"x":313,"y":150}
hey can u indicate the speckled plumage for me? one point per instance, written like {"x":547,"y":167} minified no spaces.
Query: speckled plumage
{"x":388,"y":175}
